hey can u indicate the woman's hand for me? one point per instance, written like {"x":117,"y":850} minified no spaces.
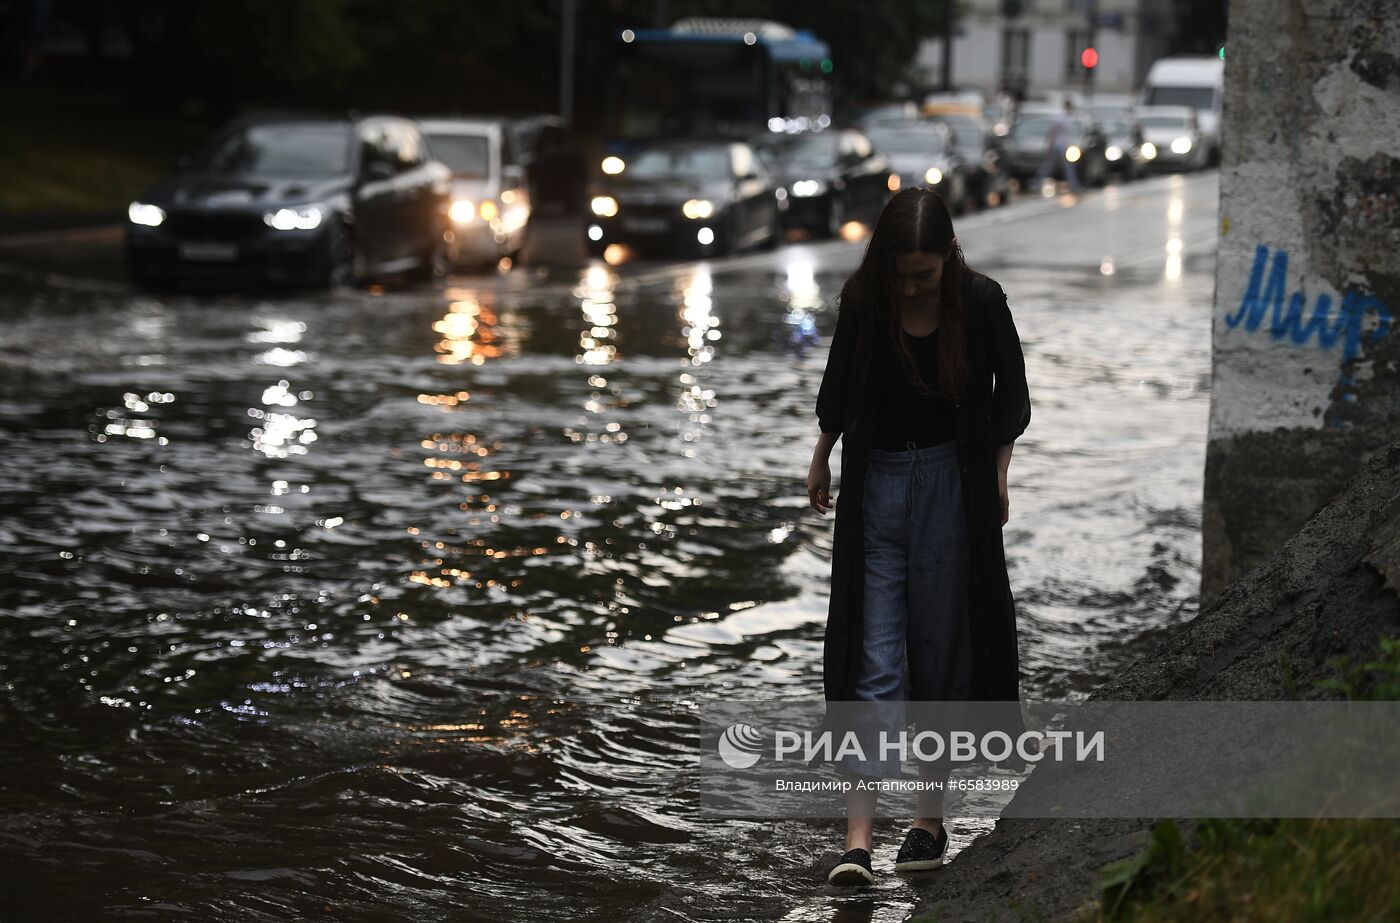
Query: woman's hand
{"x":819,"y":484}
{"x":1003,"y":463}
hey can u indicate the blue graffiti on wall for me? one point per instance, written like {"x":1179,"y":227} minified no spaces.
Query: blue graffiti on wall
{"x":1266,"y":295}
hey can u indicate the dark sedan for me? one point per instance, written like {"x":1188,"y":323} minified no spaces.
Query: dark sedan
{"x":831,"y":177}
{"x":1124,"y":136}
{"x":989,"y":182}
{"x":1085,"y":147}
{"x":923,"y":154}
{"x":314,"y":202}
{"x":685,"y":197}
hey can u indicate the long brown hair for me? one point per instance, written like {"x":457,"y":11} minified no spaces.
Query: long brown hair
{"x":915,"y":220}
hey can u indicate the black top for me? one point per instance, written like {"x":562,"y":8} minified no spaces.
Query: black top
{"x":906,"y":414}
{"x":1007,"y":410}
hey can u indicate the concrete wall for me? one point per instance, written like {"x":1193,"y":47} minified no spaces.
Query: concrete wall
{"x":1306,"y":355}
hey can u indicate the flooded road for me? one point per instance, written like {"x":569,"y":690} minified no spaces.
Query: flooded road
{"x":396,"y":604}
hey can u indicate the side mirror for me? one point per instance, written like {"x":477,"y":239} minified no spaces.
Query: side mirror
{"x":513,"y":176}
{"x":376,"y":170}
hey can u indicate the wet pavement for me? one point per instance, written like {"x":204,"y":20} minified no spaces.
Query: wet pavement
{"x":400,"y":603}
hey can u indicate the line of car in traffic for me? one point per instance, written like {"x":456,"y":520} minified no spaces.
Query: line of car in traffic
{"x":1109,"y":138}
{"x":705,"y":197}
{"x":334,"y":202}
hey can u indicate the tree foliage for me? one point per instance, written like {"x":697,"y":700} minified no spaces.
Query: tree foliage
{"x":449,"y":55}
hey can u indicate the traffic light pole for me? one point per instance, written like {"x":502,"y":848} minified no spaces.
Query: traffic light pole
{"x":1093,"y":43}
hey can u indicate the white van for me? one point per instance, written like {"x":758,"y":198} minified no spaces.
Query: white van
{"x":491,"y":207}
{"x":1197,"y":81}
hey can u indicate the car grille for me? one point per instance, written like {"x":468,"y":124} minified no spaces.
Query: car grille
{"x":213,"y":226}
{"x":669,"y":210}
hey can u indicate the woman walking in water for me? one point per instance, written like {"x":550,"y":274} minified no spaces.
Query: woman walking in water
{"x":925,"y":385}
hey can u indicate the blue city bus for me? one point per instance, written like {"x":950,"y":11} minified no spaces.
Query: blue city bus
{"x":716,"y":78}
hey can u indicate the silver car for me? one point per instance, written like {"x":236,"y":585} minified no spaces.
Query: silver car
{"x":490,"y":208}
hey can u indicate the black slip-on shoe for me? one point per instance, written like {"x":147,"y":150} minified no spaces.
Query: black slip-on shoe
{"x":852,"y":871}
{"x":921,"y":850}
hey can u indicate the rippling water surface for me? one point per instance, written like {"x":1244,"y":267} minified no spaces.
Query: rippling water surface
{"x":400,"y":604}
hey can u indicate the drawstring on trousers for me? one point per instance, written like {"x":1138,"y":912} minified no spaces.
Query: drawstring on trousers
{"x":916,"y":474}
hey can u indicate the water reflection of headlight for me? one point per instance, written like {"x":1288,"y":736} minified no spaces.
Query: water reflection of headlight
{"x":1181,"y":145}
{"x":604,"y":206}
{"x":1073,"y":153}
{"x":1149,"y":150}
{"x":1114,"y":153}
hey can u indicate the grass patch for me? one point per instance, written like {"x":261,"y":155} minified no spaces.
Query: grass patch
{"x":84,"y":151}
{"x":1271,"y":869}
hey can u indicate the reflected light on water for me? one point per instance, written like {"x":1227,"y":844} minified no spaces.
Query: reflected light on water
{"x":278,"y":434}
{"x":470,"y":332}
{"x":801,"y":289}
{"x":1175,"y":209}
{"x":595,"y":295}
{"x":276,"y":330}
{"x":1173,"y":267}
{"x":132,"y":427}
{"x":802,"y":295}
{"x":1110,"y":199}
{"x":699,"y":325}
{"x":700,"y":328}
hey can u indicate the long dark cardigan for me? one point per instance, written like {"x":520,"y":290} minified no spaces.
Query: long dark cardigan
{"x":993,"y":410}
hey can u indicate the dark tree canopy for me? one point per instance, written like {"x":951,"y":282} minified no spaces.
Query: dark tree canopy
{"x":439,"y":55}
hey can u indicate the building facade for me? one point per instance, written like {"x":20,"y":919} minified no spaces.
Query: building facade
{"x":1036,"y":46}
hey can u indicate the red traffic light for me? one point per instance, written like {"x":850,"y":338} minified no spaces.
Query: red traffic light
{"x":1089,"y":58}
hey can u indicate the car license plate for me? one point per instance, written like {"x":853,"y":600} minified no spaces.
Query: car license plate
{"x":208,"y":252}
{"x":645,"y":225}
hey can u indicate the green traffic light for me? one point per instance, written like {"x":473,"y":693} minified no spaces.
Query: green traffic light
{"x":1222,"y":52}
{"x":827,"y":66}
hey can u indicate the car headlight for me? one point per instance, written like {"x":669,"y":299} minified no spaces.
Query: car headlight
{"x":1114,"y":153}
{"x":1073,"y":153}
{"x":613,"y":165}
{"x":462,"y":211}
{"x":488,"y":210}
{"x":294,"y":219}
{"x":698,"y":208}
{"x":1181,"y":145}
{"x":604,"y":206}
{"x":806,"y":187}
{"x":150,"y":216}
{"x":933,"y":176}
{"x":1149,"y":150}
